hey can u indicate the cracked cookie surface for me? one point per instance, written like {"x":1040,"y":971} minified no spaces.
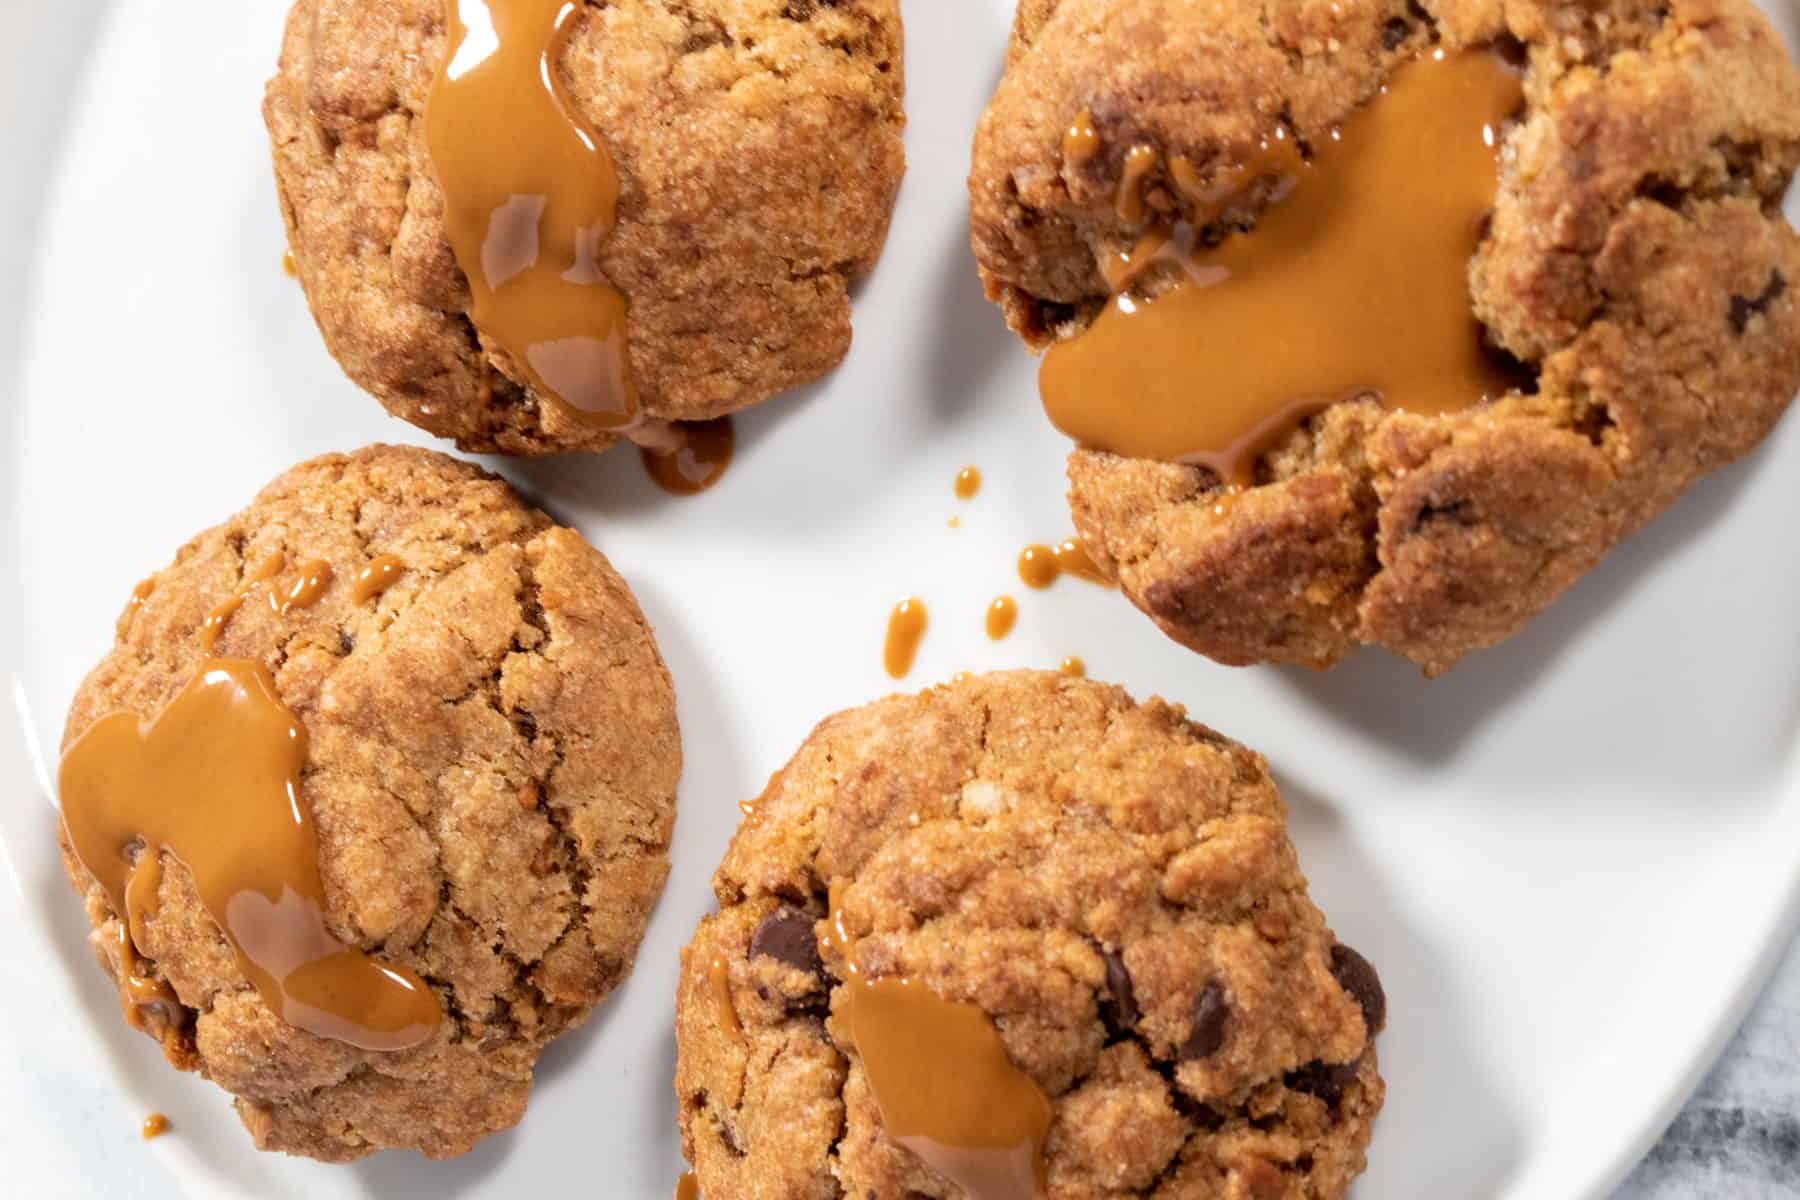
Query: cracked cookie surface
{"x":1108,"y":882}
{"x":758,"y":144}
{"x":492,"y":773}
{"x":1636,"y":266}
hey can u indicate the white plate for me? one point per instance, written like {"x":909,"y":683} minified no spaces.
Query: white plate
{"x":1572,"y":859}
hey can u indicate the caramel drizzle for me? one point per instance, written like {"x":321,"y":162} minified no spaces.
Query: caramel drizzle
{"x":1139,"y":162}
{"x":1040,"y":565}
{"x":696,"y":458}
{"x":1081,"y":141}
{"x":305,"y":591}
{"x":1352,"y":284}
{"x":905,"y":630}
{"x":941,"y":1076}
{"x":214,"y":780}
{"x":376,"y":578}
{"x":968,"y":483}
{"x":531,"y":195}
{"x":718,"y":977}
{"x":687,"y":1187}
{"x":1002,"y":615}
{"x":222,"y":612}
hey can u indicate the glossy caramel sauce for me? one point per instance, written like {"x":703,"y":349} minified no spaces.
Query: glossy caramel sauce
{"x":697,"y":457}
{"x":1002,"y":615}
{"x":1139,"y":162}
{"x":968,"y":483}
{"x":1081,"y":141}
{"x":1073,"y":667}
{"x":214,"y":780}
{"x":1355,"y":283}
{"x":304,"y":592}
{"x":905,"y":630}
{"x":224,"y":610}
{"x":718,"y":978}
{"x":943,"y":1081}
{"x":1040,"y":565}
{"x":288,"y":266}
{"x":687,"y":1187}
{"x":154,"y":1126}
{"x":530,"y":195}
{"x":377,"y":577}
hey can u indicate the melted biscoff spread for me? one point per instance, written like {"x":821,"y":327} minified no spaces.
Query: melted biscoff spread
{"x":214,"y":780}
{"x":1353,"y":284}
{"x":530,"y":195}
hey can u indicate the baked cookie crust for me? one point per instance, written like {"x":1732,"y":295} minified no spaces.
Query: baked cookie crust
{"x":1636,"y":270}
{"x":758,"y":145}
{"x":1109,"y":882}
{"x":492,"y":770}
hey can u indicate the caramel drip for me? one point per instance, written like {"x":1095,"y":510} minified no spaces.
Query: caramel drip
{"x":141,"y":592}
{"x":288,"y":266}
{"x":148,"y":1003}
{"x":1355,"y":284}
{"x":155,"y":1125}
{"x":1040,"y":565}
{"x":530,"y":196}
{"x":1002,"y":615}
{"x":968,"y":483}
{"x":1081,"y":141}
{"x":1139,"y":162}
{"x":1073,"y":667}
{"x":304,"y":592}
{"x":697,"y":459}
{"x":942,"y":1079}
{"x":905,"y":630}
{"x":718,"y":977}
{"x":687,"y":1187}
{"x":224,"y":610}
{"x":214,"y":780}
{"x":376,"y":578}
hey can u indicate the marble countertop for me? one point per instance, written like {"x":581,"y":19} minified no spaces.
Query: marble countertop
{"x":1739,"y":1136}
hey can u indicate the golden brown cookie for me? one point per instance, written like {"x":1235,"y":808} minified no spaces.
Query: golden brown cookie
{"x":1636,"y":269}
{"x":1105,"y":885}
{"x":491,"y":773}
{"x":758,"y":145}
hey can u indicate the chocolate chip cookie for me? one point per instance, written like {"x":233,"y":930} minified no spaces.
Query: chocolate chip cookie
{"x":752,"y":151}
{"x":1631,"y":287}
{"x":1020,"y":933}
{"x":371,"y":800}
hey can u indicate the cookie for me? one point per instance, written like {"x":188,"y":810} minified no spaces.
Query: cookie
{"x":1019,"y":932}
{"x":371,"y":800}
{"x":756,"y":151}
{"x":1631,"y":289}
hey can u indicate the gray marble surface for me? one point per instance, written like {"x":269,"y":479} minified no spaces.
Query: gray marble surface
{"x":1739,"y":1136}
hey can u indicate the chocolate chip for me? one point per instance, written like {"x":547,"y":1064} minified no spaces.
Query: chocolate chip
{"x":1119,"y":1007}
{"x":1207,"y":1033}
{"x":786,"y":935}
{"x":1325,"y":1080}
{"x":1744,"y":307}
{"x":1356,"y":976}
{"x":1512,"y":51}
{"x":1394,"y":32}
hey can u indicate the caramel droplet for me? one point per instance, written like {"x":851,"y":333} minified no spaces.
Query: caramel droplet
{"x":968,"y":483}
{"x":906,"y":629}
{"x":304,"y":592}
{"x":377,"y":577}
{"x":687,"y":1187}
{"x":288,"y":266}
{"x":1081,"y":141}
{"x":1040,"y":565}
{"x":224,"y":610}
{"x":698,"y":459}
{"x":943,"y":1081}
{"x":1139,"y":162}
{"x":1002,"y":615}
{"x":1073,"y":667}
{"x":1355,"y":284}
{"x":214,"y":780}
{"x":142,"y":591}
{"x":155,"y":1125}
{"x":530,"y":197}
{"x":724,"y":1011}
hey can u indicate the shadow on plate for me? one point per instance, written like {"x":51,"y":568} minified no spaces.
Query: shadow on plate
{"x":1383,"y":697}
{"x":1444,"y":1131}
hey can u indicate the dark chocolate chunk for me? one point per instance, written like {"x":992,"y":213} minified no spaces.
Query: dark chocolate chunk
{"x":786,"y":935}
{"x":1745,"y":307}
{"x":1356,"y":976}
{"x":1395,"y":32}
{"x":1207,"y":1033}
{"x":1119,"y":1007}
{"x":1325,"y":1080}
